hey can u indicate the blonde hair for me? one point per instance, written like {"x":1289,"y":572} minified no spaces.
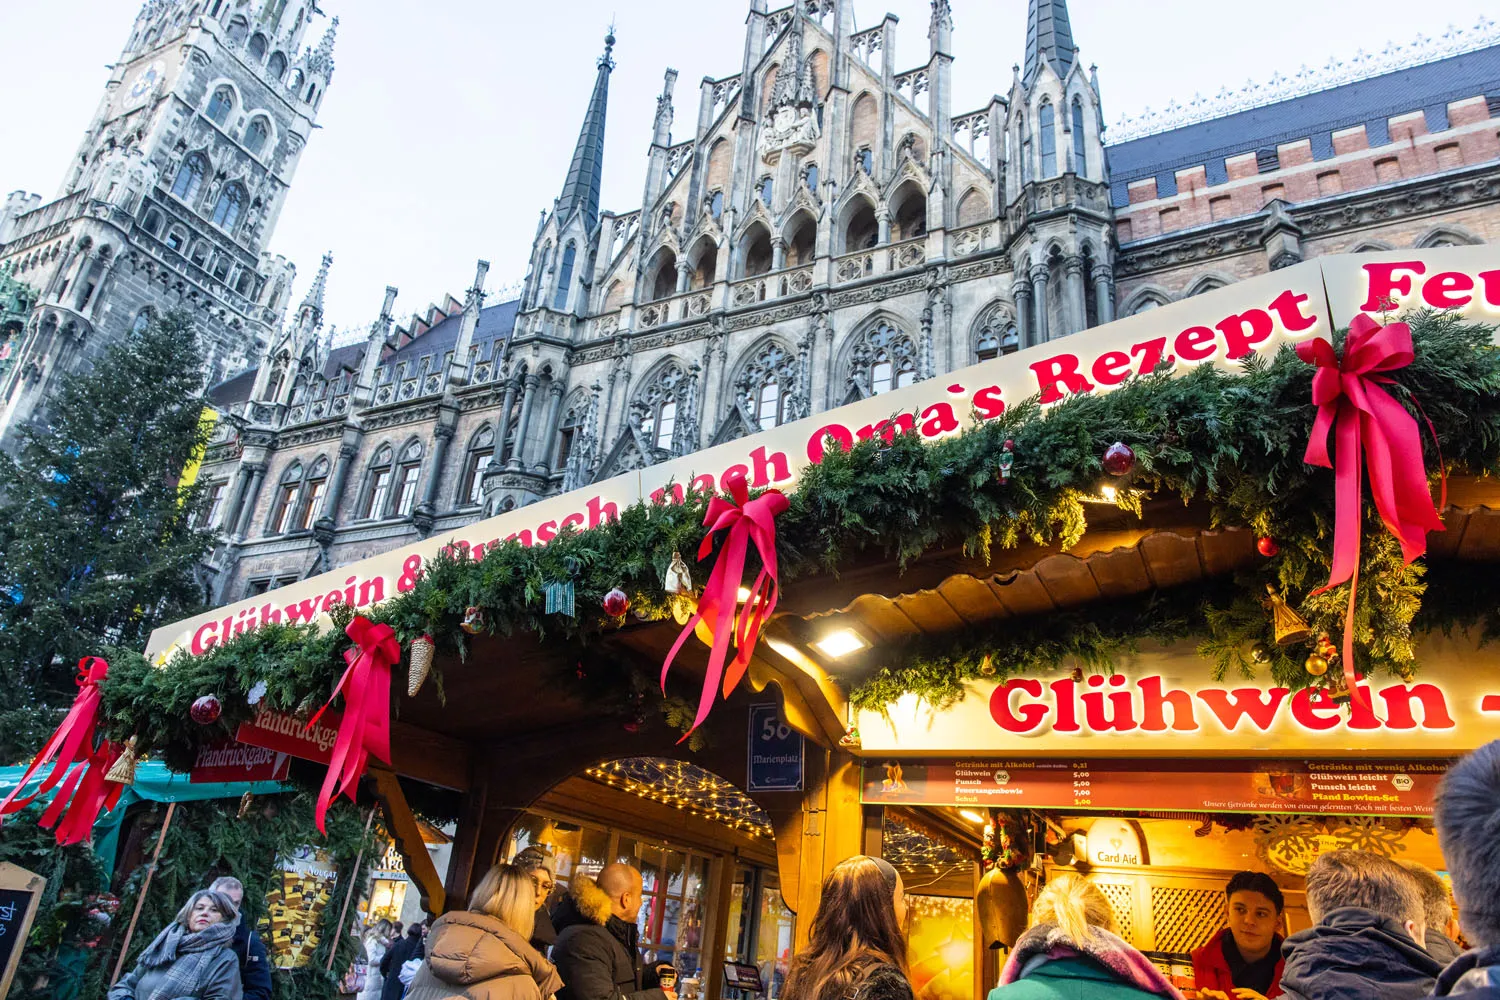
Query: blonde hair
{"x":507,"y":894}
{"x":1075,"y":905}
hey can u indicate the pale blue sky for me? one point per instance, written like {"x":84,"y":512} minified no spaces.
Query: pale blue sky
{"x":450,"y":123}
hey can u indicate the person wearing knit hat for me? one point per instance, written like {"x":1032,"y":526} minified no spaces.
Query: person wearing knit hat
{"x":542,"y":867}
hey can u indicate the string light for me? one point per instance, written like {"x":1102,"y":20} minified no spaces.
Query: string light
{"x":685,"y":787}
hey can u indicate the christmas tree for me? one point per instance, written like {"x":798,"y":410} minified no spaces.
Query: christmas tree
{"x":100,"y":537}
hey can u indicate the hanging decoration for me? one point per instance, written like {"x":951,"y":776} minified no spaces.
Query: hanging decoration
{"x":678,"y":586}
{"x":1266,"y":546}
{"x":473,"y":622}
{"x":366,"y":725}
{"x":123,"y":771}
{"x":561,"y":599}
{"x":1290,"y":627}
{"x":851,"y":740}
{"x":1369,"y":424}
{"x":1007,"y":461}
{"x":256,"y":693}
{"x":1259,"y":653}
{"x":616,"y":603}
{"x":86,"y":793}
{"x":71,"y":743}
{"x":1316,"y":664}
{"x":422,"y":648}
{"x":1119,"y":459}
{"x":206,"y":710}
{"x":745,"y":522}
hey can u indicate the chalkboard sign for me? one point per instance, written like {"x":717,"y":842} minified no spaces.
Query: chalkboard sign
{"x":20,"y":891}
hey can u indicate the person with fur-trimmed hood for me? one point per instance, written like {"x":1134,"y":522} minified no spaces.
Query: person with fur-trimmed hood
{"x":1468,"y":814}
{"x":596,"y":952}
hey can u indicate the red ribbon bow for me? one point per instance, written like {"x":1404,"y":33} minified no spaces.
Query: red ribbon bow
{"x":746,"y":521}
{"x":73,"y":740}
{"x":366,"y":725}
{"x":83,"y":796}
{"x":1370,"y":426}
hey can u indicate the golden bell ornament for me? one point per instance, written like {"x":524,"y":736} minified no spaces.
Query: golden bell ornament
{"x":1000,"y":905}
{"x":1316,"y":664}
{"x":122,"y":771}
{"x":422,"y":649}
{"x":1289,"y":625}
{"x":473,"y":622}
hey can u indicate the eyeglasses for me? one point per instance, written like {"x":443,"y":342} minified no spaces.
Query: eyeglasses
{"x":543,"y":886}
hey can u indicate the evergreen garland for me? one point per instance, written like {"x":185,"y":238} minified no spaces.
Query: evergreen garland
{"x":1231,"y":441}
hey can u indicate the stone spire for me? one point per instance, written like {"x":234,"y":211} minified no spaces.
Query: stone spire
{"x":1049,"y":38}
{"x":794,"y":80}
{"x":310,"y":315}
{"x":586,"y":173}
{"x":321,"y":61}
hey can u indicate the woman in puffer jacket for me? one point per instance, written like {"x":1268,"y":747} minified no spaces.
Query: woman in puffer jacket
{"x":483,"y":953}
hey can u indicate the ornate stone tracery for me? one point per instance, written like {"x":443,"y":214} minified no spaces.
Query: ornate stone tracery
{"x":883,"y":357}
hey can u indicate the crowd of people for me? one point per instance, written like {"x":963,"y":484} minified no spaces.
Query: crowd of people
{"x":1379,"y":929}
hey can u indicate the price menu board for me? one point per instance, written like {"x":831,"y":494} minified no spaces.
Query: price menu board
{"x":1366,"y":787}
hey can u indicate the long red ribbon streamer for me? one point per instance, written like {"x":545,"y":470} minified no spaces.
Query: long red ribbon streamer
{"x":1373,"y":431}
{"x":71,"y":743}
{"x":366,"y":726}
{"x":746,"y":522}
{"x":83,"y":796}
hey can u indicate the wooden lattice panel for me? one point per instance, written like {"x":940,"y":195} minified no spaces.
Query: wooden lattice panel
{"x":1122,"y":901}
{"x":1184,"y":919}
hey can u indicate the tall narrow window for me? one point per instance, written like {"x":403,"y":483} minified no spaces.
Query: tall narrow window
{"x":880,"y":376}
{"x":565,"y":278}
{"x":666,"y":423}
{"x":256,"y":136}
{"x":406,"y":488}
{"x":716,"y":205}
{"x":1046,"y":127}
{"x":190,"y":178}
{"x":866,"y":160}
{"x":227,"y":211}
{"x":767,"y":189}
{"x":257,"y":49}
{"x":810,"y":177}
{"x":220,"y":105}
{"x":215,"y":505}
{"x":286,"y":500}
{"x":768,"y":405}
{"x":481,"y":450}
{"x":1080,"y":146}
{"x":313,"y":495}
{"x":380,"y":488}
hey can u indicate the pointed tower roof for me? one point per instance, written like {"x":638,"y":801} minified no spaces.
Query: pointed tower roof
{"x":1049,"y":37}
{"x":313,"y":303}
{"x":586,"y":173}
{"x":321,"y":61}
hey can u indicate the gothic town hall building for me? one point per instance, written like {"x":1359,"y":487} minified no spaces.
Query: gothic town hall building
{"x":827,"y":227}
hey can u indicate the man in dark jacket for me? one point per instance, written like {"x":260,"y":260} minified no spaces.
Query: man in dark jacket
{"x":1468,"y":806}
{"x":596,"y":951}
{"x":255,"y":966}
{"x":1437,"y":910}
{"x":397,"y":955}
{"x":1368,"y":919}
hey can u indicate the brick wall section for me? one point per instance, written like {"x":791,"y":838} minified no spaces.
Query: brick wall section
{"x":1472,"y":137}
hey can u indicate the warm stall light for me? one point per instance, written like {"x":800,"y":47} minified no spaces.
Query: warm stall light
{"x":841,"y":643}
{"x":1109,"y":493}
{"x":972,"y":816}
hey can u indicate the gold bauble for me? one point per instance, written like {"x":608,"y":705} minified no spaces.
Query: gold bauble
{"x":1316,"y":665}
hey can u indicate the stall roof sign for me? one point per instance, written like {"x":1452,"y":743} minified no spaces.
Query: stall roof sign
{"x":1161,"y":702}
{"x":1252,"y":317}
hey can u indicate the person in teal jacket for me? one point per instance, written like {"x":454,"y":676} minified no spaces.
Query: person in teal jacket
{"x":1072,"y":952}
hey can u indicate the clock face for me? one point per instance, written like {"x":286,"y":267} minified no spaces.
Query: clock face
{"x":147,"y":80}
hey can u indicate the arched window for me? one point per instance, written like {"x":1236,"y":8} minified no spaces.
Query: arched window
{"x":190,"y":178}
{"x":1047,"y":134}
{"x":294,"y":82}
{"x":142,"y":320}
{"x":227,"y":211}
{"x":481,"y":450}
{"x":238,"y":29}
{"x":656,"y":406}
{"x":276,"y":68}
{"x":885,"y":358}
{"x":257,"y":49}
{"x":220,"y":105}
{"x":314,"y":493}
{"x":176,"y":240}
{"x":199,"y":256}
{"x":1080,"y":146}
{"x":407,"y":474}
{"x":568,"y":434}
{"x":152,"y":224}
{"x":565,"y":278}
{"x":995,"y":334}
{"x":766,"y":386}
{"x":286,"y":499}
{"x":378,"y":490}
{"x":256,"y":135}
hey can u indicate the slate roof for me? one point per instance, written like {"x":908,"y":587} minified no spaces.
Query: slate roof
{"x":233,"y":390}
{"x":1428,"y":88}
{"x":495,"y":325}
{"x":1049,"y":36}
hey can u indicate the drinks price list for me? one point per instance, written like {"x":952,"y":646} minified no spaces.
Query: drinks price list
{"x":1378,"y":787}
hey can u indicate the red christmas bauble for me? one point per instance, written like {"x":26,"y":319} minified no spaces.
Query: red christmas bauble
{"x":616,"y":603}
{"x":206,"y":710}
{"x":1119,"y":459}
{"x":1266,"y":546}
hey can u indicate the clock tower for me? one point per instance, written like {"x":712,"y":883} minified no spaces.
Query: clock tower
{"x":174,"y":193}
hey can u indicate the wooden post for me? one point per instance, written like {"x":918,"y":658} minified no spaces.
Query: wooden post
{"x":467,"y":863}
{"x":338,"y":931}
{"x":408,"y":837}
{"x":20,"y":893}
{"x":140,"y":899}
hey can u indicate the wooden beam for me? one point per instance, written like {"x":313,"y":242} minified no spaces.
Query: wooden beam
{"x":403,"y":826}
{"x":464,"y":859}
{"x":423,"y":755}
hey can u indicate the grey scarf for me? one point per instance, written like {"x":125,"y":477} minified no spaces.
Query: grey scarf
{"x":186,"y":957}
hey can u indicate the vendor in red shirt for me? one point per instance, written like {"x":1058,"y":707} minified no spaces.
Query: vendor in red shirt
{"x":1243,"y":961}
